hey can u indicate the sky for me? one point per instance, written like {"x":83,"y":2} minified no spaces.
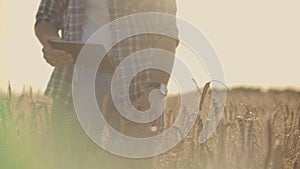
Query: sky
{"x":258,"y":42}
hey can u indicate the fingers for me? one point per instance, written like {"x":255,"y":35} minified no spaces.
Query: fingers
{"x":48,"y":50}
{"x":49,"y":38}
{"x":142,"y":103}
{"x":57,"y":57}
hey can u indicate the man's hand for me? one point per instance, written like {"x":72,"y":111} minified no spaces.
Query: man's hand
{"x":46,"y":32}
{"x":56,"y":57}
{"x":142,"y":103}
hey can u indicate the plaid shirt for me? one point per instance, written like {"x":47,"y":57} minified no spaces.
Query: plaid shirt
{"x":67,"y":16}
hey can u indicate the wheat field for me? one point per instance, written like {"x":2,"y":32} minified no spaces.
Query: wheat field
{"x":259,"y":130}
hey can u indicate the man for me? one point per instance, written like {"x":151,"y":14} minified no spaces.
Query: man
{"x":78,"y":20}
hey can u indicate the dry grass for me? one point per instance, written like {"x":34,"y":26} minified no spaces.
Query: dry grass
{"x":259,"y":130}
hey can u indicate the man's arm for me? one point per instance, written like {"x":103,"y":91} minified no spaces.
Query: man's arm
{"x":48,"y":22}
{"x":164,"y":42}
{"x":169,"y":45}
{"x":47,"y":31}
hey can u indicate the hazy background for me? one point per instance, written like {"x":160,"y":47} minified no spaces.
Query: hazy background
{"x":258,"y":41}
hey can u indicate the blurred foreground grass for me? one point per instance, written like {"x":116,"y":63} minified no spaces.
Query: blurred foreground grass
{"x":23,"y":121}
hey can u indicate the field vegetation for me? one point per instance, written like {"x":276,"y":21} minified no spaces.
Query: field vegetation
{"x":259,"y":130}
